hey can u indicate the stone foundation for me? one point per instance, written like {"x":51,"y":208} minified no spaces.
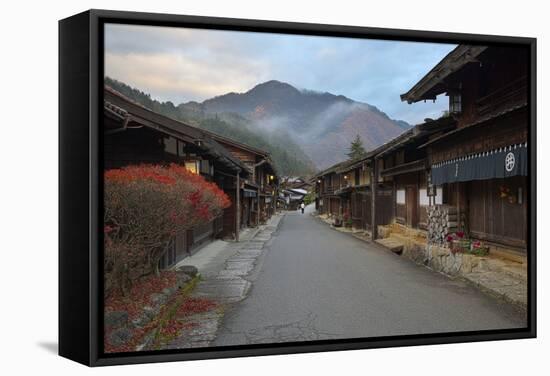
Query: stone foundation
{"x":504,"y":277}
{"x":441,"y":259}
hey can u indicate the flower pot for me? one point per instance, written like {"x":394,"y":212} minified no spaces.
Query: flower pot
{"x":465,"y":244}
{"x":456,"y":246}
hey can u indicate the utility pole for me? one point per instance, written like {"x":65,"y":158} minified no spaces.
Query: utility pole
{"x":258,"y":207}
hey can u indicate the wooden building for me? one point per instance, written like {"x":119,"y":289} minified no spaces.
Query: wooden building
{"x":481,"y":163}
{"x":355,"y":193}
{"x":297,"y":183}
{"x":388,"y":185}
{"x":343,"y":192}
{"x":403,"y":173}
{"x":133,"y":134}
{"x":260,"y":188}
{"x":328,"y":182}
{"x":292,"y":197}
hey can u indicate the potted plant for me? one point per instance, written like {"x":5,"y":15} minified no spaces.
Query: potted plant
{"x":463,"y":243}
{"x":348,"y":222}
{"x":479,"y":249}
{"x":457,"y":242}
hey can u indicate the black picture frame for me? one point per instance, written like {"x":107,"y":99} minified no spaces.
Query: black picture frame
{"x":80,"y":182}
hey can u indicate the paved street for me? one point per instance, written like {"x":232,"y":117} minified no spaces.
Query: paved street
{"x":313,"y":282}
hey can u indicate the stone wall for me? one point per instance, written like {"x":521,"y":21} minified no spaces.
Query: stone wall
{"x":442,"y":220}
{"x":441,"y":259}
{"x":417,"y":247}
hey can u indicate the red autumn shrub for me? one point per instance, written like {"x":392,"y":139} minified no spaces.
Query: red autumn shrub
{"x":144,"y":207}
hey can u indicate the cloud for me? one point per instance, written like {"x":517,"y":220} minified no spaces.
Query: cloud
{"x":183,"y":64}
{"x":179,"y":78}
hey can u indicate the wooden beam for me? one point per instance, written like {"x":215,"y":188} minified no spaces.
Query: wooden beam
{"x":258,"y":207}
{"x":374,"y":183}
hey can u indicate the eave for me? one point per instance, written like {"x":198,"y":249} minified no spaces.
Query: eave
{"x":479,"y":121}
{"x":432,"y":84}
{"x":115,"y":102}
{"x":405,"y":168}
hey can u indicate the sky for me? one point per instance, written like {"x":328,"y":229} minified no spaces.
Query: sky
{"x":183,"y":64}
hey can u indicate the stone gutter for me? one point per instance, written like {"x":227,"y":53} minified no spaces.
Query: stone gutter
{"x":363,"y":235}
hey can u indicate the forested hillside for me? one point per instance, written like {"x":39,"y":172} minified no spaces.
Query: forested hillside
{"x":289,"y":158}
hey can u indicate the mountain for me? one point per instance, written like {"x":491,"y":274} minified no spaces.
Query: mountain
{"x":323,"y":124}
{"x":288,"y":157}
{"x":304,"y":130}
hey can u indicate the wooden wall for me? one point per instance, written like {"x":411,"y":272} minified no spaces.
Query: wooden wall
{"x":334,"y":208}
{"x":133,"y":146}
{"x":400,"y":213}
{"x":498,"y":210}
{"x":500,"y":76}
{"x":229,"y":215}
{"x":358,"y":209}
{"x":500,"y":132}
{"x":242,"y":154}
{"x":359,"y":176}
{"x":384,"y":205}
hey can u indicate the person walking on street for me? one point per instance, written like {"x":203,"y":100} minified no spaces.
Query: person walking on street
{"x":302,"y":206}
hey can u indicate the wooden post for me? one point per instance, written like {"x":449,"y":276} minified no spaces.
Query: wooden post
{"x":237,"y":206}
{"x":458,"y":206}
{"x":374,"y":183}
{"x":258,"y":208}
{"x":394,"y":200}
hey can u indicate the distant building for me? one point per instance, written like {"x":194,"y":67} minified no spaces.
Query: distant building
{"x":297,"y":182}
{"x":293,"y":197}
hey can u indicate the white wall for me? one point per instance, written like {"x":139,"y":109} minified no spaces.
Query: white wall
{"x":400,"y":196}
{"x":29,"y":186}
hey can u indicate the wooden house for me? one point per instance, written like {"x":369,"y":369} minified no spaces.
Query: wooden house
{"x":359,"y":182}
{"x":402,"y":172}
{"x":481,"y":163}
{"x":133,"y":134}
{"x":259,"y":189}
{"x":388,"y":185}
{"x":292,"y":197}
{"x":343,"y":192}
{"x":328,"y":182}
{"x":298,"y":183}
{"x":354,"y":193}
